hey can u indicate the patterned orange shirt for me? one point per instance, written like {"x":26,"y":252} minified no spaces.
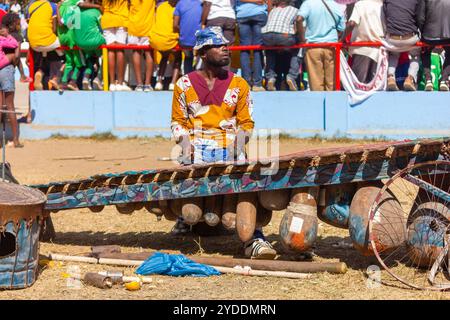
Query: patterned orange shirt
{"x":211,"y":117}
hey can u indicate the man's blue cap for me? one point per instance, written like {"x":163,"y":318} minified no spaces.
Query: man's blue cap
{"x":210,"y":36}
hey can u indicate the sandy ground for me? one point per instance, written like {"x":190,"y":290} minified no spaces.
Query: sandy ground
{"x":78,"y":230}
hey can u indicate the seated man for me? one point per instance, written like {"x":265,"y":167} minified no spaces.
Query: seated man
{"x":212,"y":116}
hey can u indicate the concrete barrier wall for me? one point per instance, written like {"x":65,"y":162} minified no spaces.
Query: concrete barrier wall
{"x":393,"y":115}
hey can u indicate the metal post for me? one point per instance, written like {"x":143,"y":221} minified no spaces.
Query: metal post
{"x":3,"y":114}
{"x":105,"y":69}
{"x":337,"y":67}
{"x":31,"y":69}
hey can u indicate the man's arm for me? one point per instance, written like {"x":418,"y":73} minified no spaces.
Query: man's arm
{"x":176,"y":24}
{"x":300,"y":29}
{"x":421,"y":15}
{"x":179,"y":124}
{"x":205,"y":12}
{"x":244,"y":120}
{"x":348,"y":30}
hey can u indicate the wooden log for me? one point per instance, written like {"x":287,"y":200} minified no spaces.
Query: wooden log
{"x":274,"y":199}
{"x":136,"y":259}
{"x":298,"y":227}
{"x":192,"y":210}
{"x":263,"y":273}
{"x":229,"y":211}
{"x":213,"y":210}
{"x":263,"y":216}
{"x":246,"y":215}
{"x":272,"y":265}
{"x":97,"y":250}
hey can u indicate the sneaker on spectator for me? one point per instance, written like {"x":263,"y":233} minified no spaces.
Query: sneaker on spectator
{"x":391,"y":84}
{"x":86,"y":84}
{"x":139,"y":88}
{"x":291,"y":84}
{"x":429,"y":86}
{"x":409,"y":84}
{"x":271,"y":84}
{"x":53,"y":84}
{"x":38,"y":80}
{"x":258,"y":88}
{"x":113,"y":87}
{"x":122,"y":87}
{"x":259,"y":249}
{"x":147,"y":88}
{"x":171,"y":86}
{"x":444,"y":86}
{"x":72,"y":86}
{"x":158,"y":86}
{"x":97,"y":84}
{"x":180,"y":227}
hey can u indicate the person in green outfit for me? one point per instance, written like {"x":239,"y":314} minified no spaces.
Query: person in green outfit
{"x":89,"y":38}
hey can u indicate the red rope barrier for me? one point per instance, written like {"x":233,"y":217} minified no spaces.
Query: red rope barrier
{"x":336,"y":45}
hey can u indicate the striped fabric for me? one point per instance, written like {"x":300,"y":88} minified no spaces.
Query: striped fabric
{"x":281,"y":20}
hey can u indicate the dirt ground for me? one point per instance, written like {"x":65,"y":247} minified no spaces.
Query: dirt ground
{"x":78,"y":230}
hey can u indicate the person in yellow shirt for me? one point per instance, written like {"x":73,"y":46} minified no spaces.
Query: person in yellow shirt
{"x":164,"y":39}
{"x":212,"y":118}
{"x":141,"y":20}
{"x":114,"y":23}
{"x":42,"y":16}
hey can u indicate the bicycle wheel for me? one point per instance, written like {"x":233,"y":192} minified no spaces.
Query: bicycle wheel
{"x":421,"y":259}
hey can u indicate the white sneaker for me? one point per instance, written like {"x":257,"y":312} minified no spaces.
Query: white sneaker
{"x":158,"y":86}
{"x":147,"y":88}
{"x":113,"y":87}
{"x":86,"y":84}
{"x":171,"y":87}
{"x":139,"y":88}
{"x":97,"y":84}
{"x":123,"y":87}
{"x":259,"y":249}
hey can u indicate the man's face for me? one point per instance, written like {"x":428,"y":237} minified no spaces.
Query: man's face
{"x":217,"y":56}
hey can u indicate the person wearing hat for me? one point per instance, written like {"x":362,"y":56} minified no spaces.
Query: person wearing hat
{"x":212,"y":117}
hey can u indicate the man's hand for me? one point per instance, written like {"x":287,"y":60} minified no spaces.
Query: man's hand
{"x":187,"y":149}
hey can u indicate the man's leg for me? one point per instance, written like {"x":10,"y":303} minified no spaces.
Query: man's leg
{"x":188,"y":61}
{"x":315,"y":68}
{"x":257,"y":39}
{"x":410,"y":83}
{"x":360,"y":67}
{"x":245,"y":38}
{"x":271,"y":76}
{"x":426,"y":63}
{"x":445,"y":78}
{"x":328,"y":65}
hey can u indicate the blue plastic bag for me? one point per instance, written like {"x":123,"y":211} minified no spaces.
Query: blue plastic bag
{"x":174,"y":265}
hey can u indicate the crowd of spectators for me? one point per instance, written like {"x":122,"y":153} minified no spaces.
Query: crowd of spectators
{"x":167,"y":29}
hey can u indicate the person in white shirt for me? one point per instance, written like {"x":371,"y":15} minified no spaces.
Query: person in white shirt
{"x":220,"y":13}
{"x":16,"y":8}
{"x":365,"y":24}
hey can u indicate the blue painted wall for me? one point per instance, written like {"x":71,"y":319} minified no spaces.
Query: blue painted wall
{"x":393,"y":115}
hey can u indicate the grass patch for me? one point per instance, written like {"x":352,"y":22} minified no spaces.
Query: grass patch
{"x":59,"y":136}
{"x":102,"y":136}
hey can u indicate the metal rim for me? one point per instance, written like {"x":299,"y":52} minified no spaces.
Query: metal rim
{"x":373,"y":211}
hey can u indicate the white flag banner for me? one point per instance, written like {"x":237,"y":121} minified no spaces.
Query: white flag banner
{"x":358,"y":91}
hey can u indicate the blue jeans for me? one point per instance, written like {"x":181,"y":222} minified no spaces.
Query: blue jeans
{"x":250,"y":34}
{"x":279,"y":39}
